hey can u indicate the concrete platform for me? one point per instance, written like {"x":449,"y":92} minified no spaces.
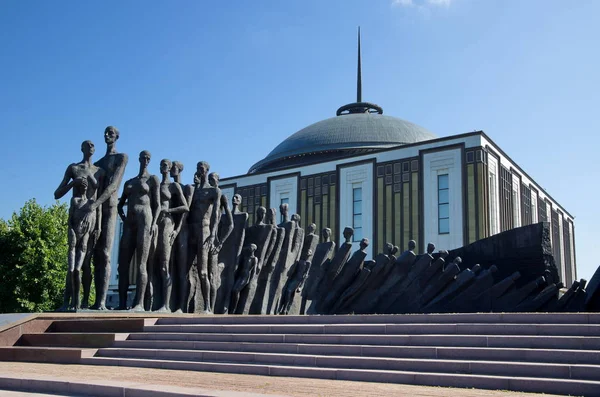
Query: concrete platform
{"x":148,"y":382}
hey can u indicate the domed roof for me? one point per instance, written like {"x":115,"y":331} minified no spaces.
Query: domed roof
{"x":341,"y":136}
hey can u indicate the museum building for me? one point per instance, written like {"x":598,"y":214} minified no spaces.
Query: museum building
{"x":394,"y":181}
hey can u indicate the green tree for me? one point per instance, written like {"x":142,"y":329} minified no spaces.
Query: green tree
{"x":33,"y":258}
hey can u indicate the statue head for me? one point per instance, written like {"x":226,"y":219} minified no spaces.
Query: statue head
{"x":176,"y":168}
{"x":271,"y":216}
{"x":283,"y":208}
{"x":111,"y":134}
{"x":213,"y":179}
{"x":236,"y":200}
{"x":311,"y":228}
{"x":348,"y":233}
{"x":88,"y":148}
{"x":145,"y":158}
{"x":388,"y":249}
{"x":364,"y":243}
{"x":326,"y":235}
{"x":458,"y":260}
{"x":165,"y":166}
{"x":296,"y":218}
{"x":412,"y":244}
{"x":430,"y":248}
{"x":260,"y":214}
{"x":443,"y":254}
{"x":202,"y":169}
{"x":250,"y":249}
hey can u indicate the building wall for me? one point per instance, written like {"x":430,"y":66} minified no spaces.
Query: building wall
{"x":435,"y":164}
{"x":523,"y":202}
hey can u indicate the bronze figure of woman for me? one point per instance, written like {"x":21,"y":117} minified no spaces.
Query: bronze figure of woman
{"x":141,"y":195}
{"x":172,"y":201}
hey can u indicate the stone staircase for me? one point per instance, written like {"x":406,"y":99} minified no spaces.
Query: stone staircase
{"x":532,"y":352}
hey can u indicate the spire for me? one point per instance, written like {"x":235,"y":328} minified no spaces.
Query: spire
{"x":359,"y":106}
{"x":359,"y":74}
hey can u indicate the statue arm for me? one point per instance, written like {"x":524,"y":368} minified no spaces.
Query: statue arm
{"x":214,"y":216}
{"x":115,"y":181}
{"x":65,"y":184}
{"x":184,"y":206}
{"x":121,"y":204}
{"x":229,"y":216}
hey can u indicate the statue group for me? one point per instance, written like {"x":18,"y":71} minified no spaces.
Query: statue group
{"x":187,"y":244}
{"x":192,"y":252}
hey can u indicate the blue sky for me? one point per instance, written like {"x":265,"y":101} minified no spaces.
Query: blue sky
{"x":227,"y":81}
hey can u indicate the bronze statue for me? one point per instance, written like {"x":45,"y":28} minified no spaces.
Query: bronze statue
{"x":224,"y":230}
{"x":286,"y":258}
{"x":203,"y":224}
{"x":260,"y":301}
{"x":113,"y":164}
{"x":229,"y":255}
{"x":84,"y":178}
{"x":142,"y":196}
{"x":258,"y":234}
{"x":246,"y":270}
{"x":179,"y":256}
{"x":172,"y":201}
{"x":320,"y":263}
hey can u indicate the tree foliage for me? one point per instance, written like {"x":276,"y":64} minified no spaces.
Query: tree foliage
{"x":33,"y":258}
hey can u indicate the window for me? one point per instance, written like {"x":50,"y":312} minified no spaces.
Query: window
{"x":443,"y":204}
{"x":284,"y":200}
{"x":357,"y":213}
{"x":494,"y":210}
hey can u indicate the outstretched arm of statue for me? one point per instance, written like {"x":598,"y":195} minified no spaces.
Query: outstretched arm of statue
{"x":65,"y":184}
{"x":114,"y":184}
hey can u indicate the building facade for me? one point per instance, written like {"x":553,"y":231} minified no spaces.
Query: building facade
{"x":393,"y":181}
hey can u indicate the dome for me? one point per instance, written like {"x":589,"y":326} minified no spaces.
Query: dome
{"x":342,"y":136}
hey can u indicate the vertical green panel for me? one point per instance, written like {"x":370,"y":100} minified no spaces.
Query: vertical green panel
{"x":481,"y":208}
{"x":310,"y":218}
{"x":405,"y":215}
{"x":317,"y":220}
{"x":471,"y":202}
{"x":415,"y":207}
{"x":380,"y":215}
{"x":333,"y":211}
{"x":302,"y":206}
{"x":389,"y":216}
{"x":397,"y":220}
{"x":263,"y":201}
{"x":326,"y":221}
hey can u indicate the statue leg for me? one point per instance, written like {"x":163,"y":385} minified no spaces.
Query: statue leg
{"x":213,"y":270}
{"x":102,"y":254}
{"x":80,"y":255}
{"x":86,"y":277}
{"x":126,"y":250}
{"x":203,"y":253}
{"x":164,"y":255}
{"x":182,"y":267}
{"x":68,"y":297}
{"x":143,"y":242}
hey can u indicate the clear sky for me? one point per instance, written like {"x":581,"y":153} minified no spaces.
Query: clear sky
{"x":226,"y":82}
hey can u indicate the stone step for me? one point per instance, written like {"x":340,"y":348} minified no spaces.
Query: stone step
{"x":425,"y":352}
{"x":388,"y":329}
{"x":71,"y":339}
{"x":507,"y":341}
{"x":554,"y":385}
{"x":64,"y":355}
{"x":116,"y":325}
{"x":513,"y":318}
{"x":494,"y":368}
